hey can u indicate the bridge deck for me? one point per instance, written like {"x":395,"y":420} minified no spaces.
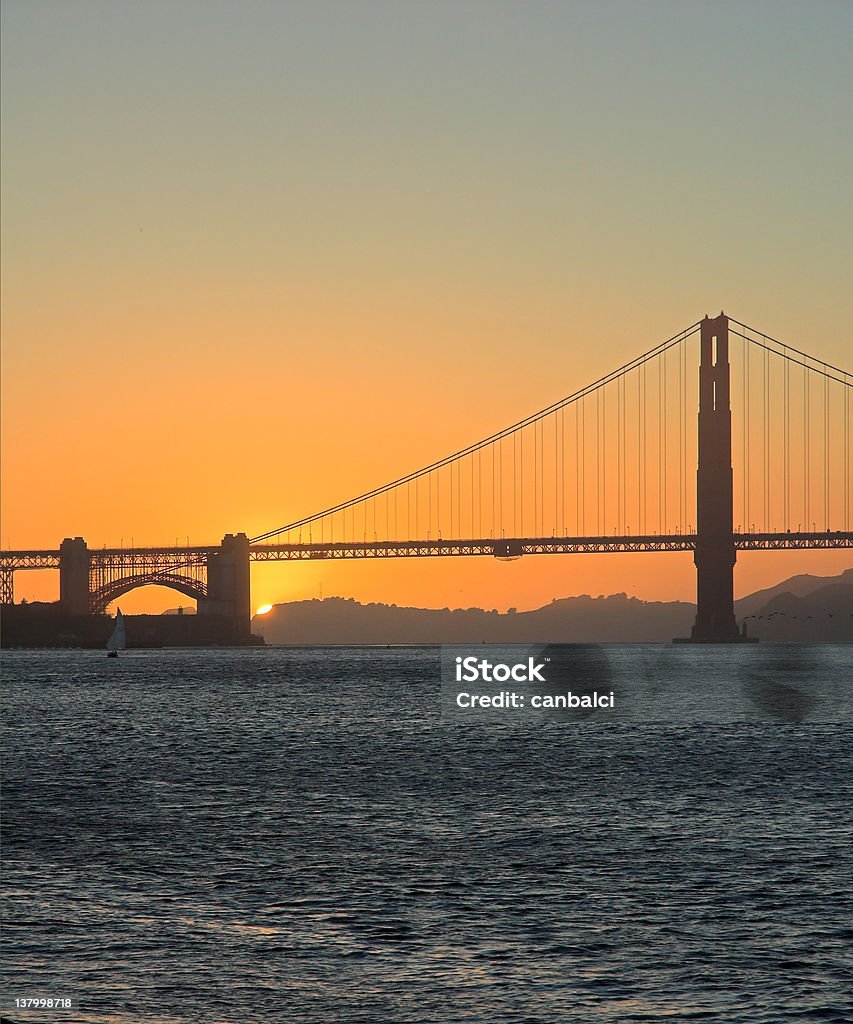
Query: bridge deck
{"x":152,"y":559}
{"x":515,"y":547}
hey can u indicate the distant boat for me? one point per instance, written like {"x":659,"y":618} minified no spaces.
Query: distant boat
{"x":117,"y":641}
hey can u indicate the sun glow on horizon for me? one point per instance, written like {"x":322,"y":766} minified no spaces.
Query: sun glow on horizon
{"x":264,"y":609}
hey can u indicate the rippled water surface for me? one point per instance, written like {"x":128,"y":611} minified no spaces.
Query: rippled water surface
{"x":294,"y":835}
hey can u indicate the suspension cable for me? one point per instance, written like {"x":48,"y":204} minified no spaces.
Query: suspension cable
{"x":520,"y":425}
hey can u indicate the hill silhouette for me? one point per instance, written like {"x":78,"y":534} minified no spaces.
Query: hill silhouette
{"x":799,"y":586}
{"x":824,"y":614}
{"x":803,"y":608}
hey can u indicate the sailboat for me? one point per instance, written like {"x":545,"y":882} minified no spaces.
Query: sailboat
{"x":117,"y":641}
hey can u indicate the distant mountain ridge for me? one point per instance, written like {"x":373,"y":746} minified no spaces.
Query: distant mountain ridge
{"x":804,"y":608}
{"x":799,"y":586}
{"x":822,"y":614}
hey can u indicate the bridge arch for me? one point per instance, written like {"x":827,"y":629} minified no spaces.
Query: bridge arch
{"x":103,"y":596}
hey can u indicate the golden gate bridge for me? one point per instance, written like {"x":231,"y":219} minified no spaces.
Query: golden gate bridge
{"x":752,"y":452}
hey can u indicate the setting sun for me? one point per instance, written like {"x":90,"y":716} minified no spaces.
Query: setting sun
{"x":264,"y":609}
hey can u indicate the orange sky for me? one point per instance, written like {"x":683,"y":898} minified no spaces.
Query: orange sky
{"x":255,"y":266}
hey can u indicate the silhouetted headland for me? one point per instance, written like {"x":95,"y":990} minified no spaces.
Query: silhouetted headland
{"x":804,"y":609}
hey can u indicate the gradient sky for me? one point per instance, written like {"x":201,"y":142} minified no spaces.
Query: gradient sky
{"x":260,"y":257}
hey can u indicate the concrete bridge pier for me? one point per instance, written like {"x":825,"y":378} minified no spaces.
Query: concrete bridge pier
{"x":74,"y":566}
{"x":228,"y":583}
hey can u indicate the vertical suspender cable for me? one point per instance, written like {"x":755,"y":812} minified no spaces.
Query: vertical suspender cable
{"x":747,"y":482}
{"x":806,"y":449}
{"x":743,"y":417}
{"x":825,"y":450}
{"x":583,"y":467}
{"x":846,"y":396}
{"x":639,"y":457}
{"x":578,"y":408}
{"x":660,"y":446}
{"x":603,"y":461}
{"x":619,"y":455}
{"x":518,"y":484}
{"x":680,"y":360}
{"x":623,"y":522}
{"x":598,"y":467}
{"x":786,"y":472}
{"x":557,"y":476}
{"x":766,"y":444}
{"x":645,"y":446}
{"x":501,"y":487}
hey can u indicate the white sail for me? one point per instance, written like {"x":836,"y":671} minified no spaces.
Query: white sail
{"x":117,"y":641}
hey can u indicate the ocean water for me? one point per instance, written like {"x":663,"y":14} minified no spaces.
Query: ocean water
{"x":295,"y":835}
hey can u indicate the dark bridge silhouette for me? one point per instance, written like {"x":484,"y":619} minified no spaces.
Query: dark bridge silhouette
{"x":614,"y":454}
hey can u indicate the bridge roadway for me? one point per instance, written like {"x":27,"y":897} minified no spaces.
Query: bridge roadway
{"x":514,"y":548}
{"x":160,"y":558}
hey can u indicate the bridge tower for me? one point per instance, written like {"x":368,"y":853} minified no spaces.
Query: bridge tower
{"x":715,"y":553}
{"x":228,"y":582}
{"x":74,"y":565}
